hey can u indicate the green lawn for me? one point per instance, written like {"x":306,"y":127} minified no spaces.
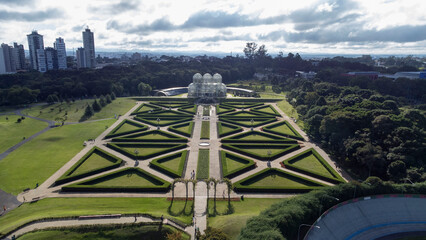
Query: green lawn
{"x":206,"y":111}
{"x":233,"y":163}
{"x":11,"y":133}
{"x":125,"y":179}
{"x":60,"y":207}
{"x":117,"y":232}
{"x":38,"y":159}
{"x":74,"y":111}
{"x":127,"y":127}
{"x":172,"y":163}
{"x":284,"y":129}
{"x":93,"y":162}
{"x":271,"y":179}
{"x":253,"y":136}
{"x":205,"y":130}
{"x":312,"y":163}
{"x":203,"y":164}
{"x":231,"y":224}
{"x":146,"y":150}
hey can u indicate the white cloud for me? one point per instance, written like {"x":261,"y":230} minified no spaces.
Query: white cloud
{"x":345,"y":26}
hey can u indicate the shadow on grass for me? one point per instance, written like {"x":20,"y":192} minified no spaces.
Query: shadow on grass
{"x":221,"y":208}
{"x":179,"y":208}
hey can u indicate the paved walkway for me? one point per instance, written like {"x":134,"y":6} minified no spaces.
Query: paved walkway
{"x":214,"y":167}
{"x":200,"y":205}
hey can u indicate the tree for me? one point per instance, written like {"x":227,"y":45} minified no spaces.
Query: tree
{"x":213,"y":234}
{"x":397,"y":170}
{"x":250,"y":50}
{"x":144,"y":89}
{"x":96,"y":107}
{"x":52,"y":98}
{"x":88,"y":112}
{"x":108,"y":98}
{"x":102,"y":101}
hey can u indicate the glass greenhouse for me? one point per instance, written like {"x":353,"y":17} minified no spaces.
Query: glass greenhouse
{"x":207,"y":87}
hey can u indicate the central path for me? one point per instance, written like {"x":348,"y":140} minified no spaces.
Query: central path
{"x":200,"y":205}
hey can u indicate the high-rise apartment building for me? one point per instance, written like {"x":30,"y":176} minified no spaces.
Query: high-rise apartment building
{"x":35,"y":43}
{"x":81,"y":58}
{"x":89,"y":48}
{"x":51,"y":58}
{"x":41,"y":60}
{"x":59,"y":46}
{"x":19,"y":56}
{"x":8,"y":61}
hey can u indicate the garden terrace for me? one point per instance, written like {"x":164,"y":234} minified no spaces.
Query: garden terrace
{"x":311,"y":163}
{"x":233,"y":165}
{"x":257,"y":137}
{"x":126,"y":127}
{"x":241,"y":105}
{"x":261,"y":151}
{"x":125,"y":180}
{"x":93,"y":162}
{"x":246,"y":121}
{"x":185,"y":129}
{"x":144,"y":108}
{"x":265,"y":109}
{"x":151,"y":136}
{"x":246,"y":114}
{"x":172,"y":165}
{"x":171,"y":104}
{"x":225,"y":129}
{"x":274,"y":180}
{"x":284,"y":129}
{"x":164,"y":121}
{"x":143,"y":151}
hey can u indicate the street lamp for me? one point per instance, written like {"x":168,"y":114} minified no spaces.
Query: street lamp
{"x":252,"y":121}
{"x":308,"y":225}
{"x":269,"y":158}
{"x":158,"y":123}
{"x":320,"y":208}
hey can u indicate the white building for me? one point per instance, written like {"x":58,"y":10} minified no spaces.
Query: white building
{"x":35,"y":42}
{"x":59,"y":46}
{"x":89,"y":48}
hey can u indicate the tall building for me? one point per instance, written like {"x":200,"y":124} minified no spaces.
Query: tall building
{"x":35,"y":43}
{"x":41,"y":59}
{"x":51,"y":58}
{"x":8,"y":61}
{"x":19,"y":56}
{"x":59,"y":46}
{"x":81,"y":58}
{"x":89,"y":48}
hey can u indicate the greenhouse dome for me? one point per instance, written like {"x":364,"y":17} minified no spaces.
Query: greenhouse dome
{"x":207,"y":88}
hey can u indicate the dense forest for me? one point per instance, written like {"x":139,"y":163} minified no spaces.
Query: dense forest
{"x":371,"y":126}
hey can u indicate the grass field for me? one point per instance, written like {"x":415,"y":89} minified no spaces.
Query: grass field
{"x":231,"y":224}
{"x":11,"y":133}
{"x":205,"y":130}
{"x":39,"y":158}
{"x":206,"y":111}
{"x":61,"y":207}
{"x":286,"y":107}
{"x":93,"y":162}
{"x":203,"y":164}
{"x":120,"y":232}
{"x":312,"y":163}
{"x":276,"y":178}
{"x":74,"y":111}
{"x":172,"y":163}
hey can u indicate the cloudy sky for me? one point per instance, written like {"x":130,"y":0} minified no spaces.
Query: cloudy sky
{"x":306,"y":26}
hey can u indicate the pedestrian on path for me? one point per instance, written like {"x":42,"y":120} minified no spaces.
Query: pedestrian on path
{"x":4,"y":208}
{"x":135,"y":218}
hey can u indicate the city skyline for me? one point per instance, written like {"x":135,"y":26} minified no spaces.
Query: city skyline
{"x":351,"y":27}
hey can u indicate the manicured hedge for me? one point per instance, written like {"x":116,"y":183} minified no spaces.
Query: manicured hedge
{"x":270,"y":129}
{"x":175,"y":104}
{"x":288,"y":164}
{"x":250,"y":100}
{"x":220,"y":129}
{"x":126,"y":121}
{"x":258,"y":110}
{"x":156,"y":164}
{"x":244,"y":186}
{"x":134,"y":137}
{"x":165,"y":113}
{"x":175,"y":128}
{"x":249,"y":164}
{"x":235,"y":120}
{"x":250,"y":114}
{"x":155,"y":108}
{"x":86,"y":186}
{"x":240,"y":148}
{"x":241,"y":105}
{"x":115,"y":163}
{"x":274,"y":139}
{"x":153,"y":120}
{"x":172,"y":148}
